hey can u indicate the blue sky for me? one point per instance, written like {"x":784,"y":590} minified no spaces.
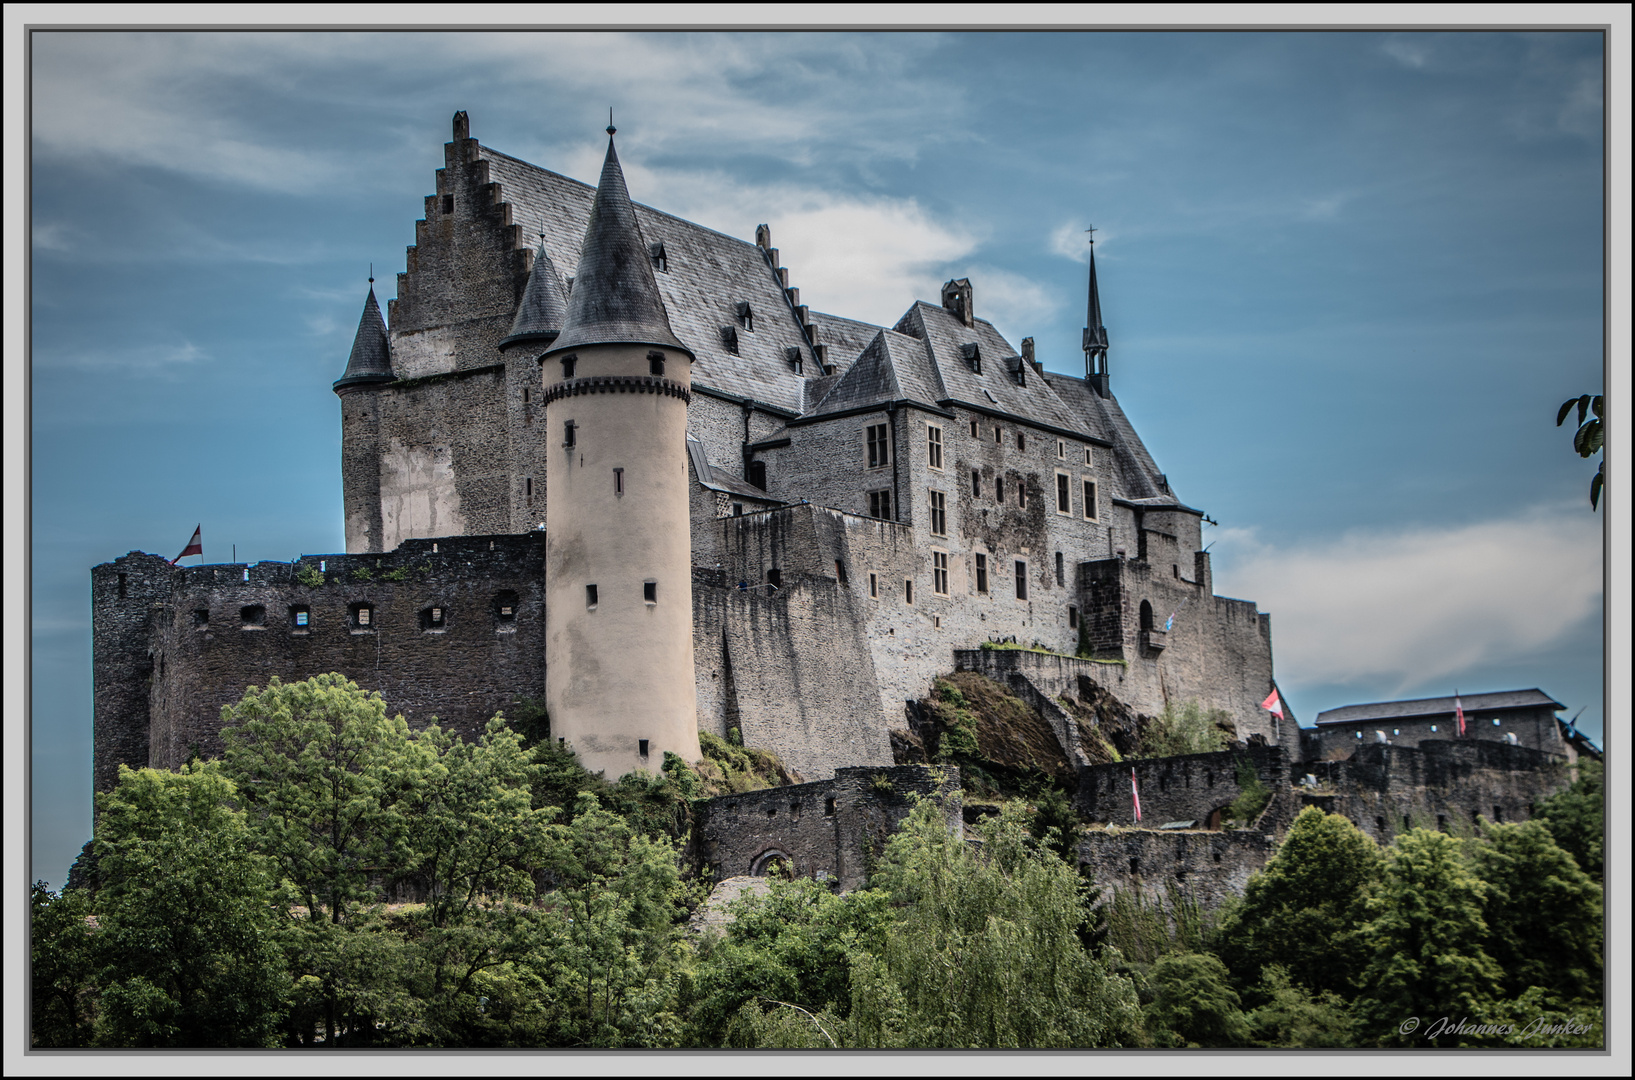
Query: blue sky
{"x":1347,"y":277}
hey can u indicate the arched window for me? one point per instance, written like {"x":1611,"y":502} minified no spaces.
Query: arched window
{"x":1146,"y":615}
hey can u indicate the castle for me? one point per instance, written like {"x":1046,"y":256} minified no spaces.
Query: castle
{"x":605,"y":458}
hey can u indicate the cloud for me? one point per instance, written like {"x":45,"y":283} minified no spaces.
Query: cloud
{"x":1415,"y":605}
{"x":155,"y":360}
{"x":1012,"y":302}
{"x":1409,"y":52}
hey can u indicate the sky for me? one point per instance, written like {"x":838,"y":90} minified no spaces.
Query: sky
{"x":1347,"y":277}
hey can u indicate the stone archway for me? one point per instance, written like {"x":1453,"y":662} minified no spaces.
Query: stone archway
{"x":763,"y":863}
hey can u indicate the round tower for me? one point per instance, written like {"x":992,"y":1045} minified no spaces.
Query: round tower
{"x":367,"y":370}
{"x":619,"y":613}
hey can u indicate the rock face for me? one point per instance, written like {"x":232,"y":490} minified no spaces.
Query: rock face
{"x":712,"y":914}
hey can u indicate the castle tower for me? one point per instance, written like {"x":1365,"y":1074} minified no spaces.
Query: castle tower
{"x":367,"y":370}
{"x":619,"y":613}
{"x":537,"y":323}
{"x":1095,"y":334}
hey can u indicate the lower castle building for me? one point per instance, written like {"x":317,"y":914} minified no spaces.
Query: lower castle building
{"x":662,"y":495}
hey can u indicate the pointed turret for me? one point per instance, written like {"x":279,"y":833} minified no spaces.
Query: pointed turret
{"x":371,"y":359}
{"x":615,"y":295}
{"x":544,"y":305}
{"x":1095,"y":334}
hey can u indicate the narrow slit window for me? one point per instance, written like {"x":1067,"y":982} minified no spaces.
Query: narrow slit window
{"x":999,"y":489}
{"x":1061,"y":569}
{"x":650,"y":592}
{"x":590,"y":596}
{"x":840,"y":571}
{"x":570,"y":364}
{"x":1061,"y":448}
{"x":1022,"y":493}
{"x":981,"y":573}
{"x":528,"y":490}
{"x":122,"y":586}
{"x":973,"y":429}
{"x":655,"y":363}
{"x":774,"y":578}
{"x":618,"y":481}
{"x":1072,"y":617}
{"x":1021,"y":580}
{"x":448,"y":204}
{"x":998,"y":435}
{"x":976,"y":483}
{"x":908,"y":590}
{"x":874,"y":585}
{"x":641,"y":747}
{"x":525,"y":398}
{"x":570,"y":434}
{"x":1021,"y":441}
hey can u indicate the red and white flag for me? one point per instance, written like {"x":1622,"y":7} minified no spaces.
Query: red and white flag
{"x":1134,"y":794}
{"x":194,"y":546}
{"x":1273,"y":704}
{"x":1459,"y":711}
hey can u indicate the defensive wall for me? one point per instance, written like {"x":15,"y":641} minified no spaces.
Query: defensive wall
{"x":830,"y":829}
{"x":1535,"y":727}
{"x":1188,"y":787}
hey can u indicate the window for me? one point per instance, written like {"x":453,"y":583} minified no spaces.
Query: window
{"x":1087,"y":460}
{"x":1061,"y":570}
{"x":793,"y":355}
{"x":939,"y":514}
{"x":363,"y":617}
{"x":1072,"y":617}
{"x":933,"y":449}
{"x":998,"y":435}
{"x":1021,"y":579}
{"x":1064,"y":494}
{"x":874,"y":585}
{"x":840,"y":572}
{"x":505,"y":606}
{"x":618,"y":481}
{"x":908,"y":590}
{"x":729,"y":339}
{"x":737,"y":509}
{"x":879,"y":452}
{"x":570,"y":364}
{"x":448,"y":204}
{"x":880,"y":505}
{"x":528,"y":489}
{"x":525,"y":395}
{"x":981,"y":573}
{"x":976,"y":483}
{"x":661,"y":261}
{"x":972,"y":354}
{"x":1090,"y":500}
{"x":746,"y":317}
{"x":650,"y":592}
{"x":201,"y":618}
{"x":757,"y":474}
{"x":641,"y":746}
{"x":1022,"y":493}
{"x":1061,"y":448}
{"x":1021,"y":441}
{"x":570,"y":434}
{"x":939,"y":573}
{"x":774,"y":578}
{"x":253,"y":615}
{"x":431,"y":618}
{"x":590,"y":596}
{"x":999,"y":489}
{"x":973,"y":429}
{"x":655,"y":363}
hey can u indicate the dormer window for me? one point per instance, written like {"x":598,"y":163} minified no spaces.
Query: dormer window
{"x":972,"y":355}
{"x":793,"y":355}
{"x":661,"y":262}
{"x":569,"y":363}
{"x":729,"y":339}
{"x":746,"y":317}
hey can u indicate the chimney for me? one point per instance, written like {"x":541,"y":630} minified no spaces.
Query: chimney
{"x":1027,"y":354}
{"x":462,"y":126}
{"x":763,"y":236}
{"x":956,"y":300}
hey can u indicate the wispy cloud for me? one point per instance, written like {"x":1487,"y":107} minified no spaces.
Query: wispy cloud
{"x":1410,"y":52}
{"x":1417,"y":604}
{"x":163,"y":361}
{"x":1015,"y":304}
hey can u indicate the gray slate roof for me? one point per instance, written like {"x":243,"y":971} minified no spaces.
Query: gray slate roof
{"x":892,"y":367}
{"x":544,"y":304}
{"x":371,"y":359}
{"x":615,"y":297}
{"x":1438,"y":706}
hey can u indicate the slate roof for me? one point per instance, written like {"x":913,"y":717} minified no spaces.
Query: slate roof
{"x":708,"y":274}
{"x":544,"y":304}
{"x":893,"y":367}
{"x":371,"y":359}
{"x":709,"y":478}
{"x":1438,"y":706}
{"x":615,"y":297}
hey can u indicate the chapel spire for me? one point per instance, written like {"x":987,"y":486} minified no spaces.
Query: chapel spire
{"x":371,"y":359}
{"x":1095,"y":334}
{"x":544,"y":304}
{"x":615,"y":297}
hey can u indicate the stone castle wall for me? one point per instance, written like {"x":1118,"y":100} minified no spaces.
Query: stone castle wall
{"x":1189,"y":787}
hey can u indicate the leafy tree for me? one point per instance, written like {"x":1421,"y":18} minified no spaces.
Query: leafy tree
{"x":62,"y":967}
{"x":1193,"y":1004}
{"x":1577,"y":817}
{"x":186,"y":914}
{"x":1189,"y":729}
{"x":1542,"y":911}
{"x":1295,"y":1016}
{"x":1300,"y":912}
{"x":1588,"y":440}
{"x":985,"y":950}
{"x":1425,"y":936}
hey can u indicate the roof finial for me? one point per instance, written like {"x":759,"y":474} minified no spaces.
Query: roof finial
{"x":610,"y":128}
{"x":1092,"y":231}
{"x":371,"y":273}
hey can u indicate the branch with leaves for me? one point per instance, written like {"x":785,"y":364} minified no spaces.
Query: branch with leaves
{"x":1588,"y":439}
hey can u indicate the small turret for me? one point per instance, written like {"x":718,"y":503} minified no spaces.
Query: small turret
{"x":544,"y":305}
{"x":371,"y":359}
{"x":1095,"y":334}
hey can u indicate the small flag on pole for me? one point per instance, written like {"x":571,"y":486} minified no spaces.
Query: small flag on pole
{"x":1135,"y":795}
{"x":1459,"y":712}
{"x":1273,"y":703}
{"x":194,"y":546}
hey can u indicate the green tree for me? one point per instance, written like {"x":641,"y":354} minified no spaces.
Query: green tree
{"x":1425,"y":936}
{"x":1189,"y":729}
{"x":1295,"y":1016}
{"x":1577,"y":817}
{"x":1588,"y":440}
{"x":62,"y":967}
{"x":186,"y":914}
{"x":1301,"y":911}
{"x":1543,"y":913}
{"x":1193,"y":1004}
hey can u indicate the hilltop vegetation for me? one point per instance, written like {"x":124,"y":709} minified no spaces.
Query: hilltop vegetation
{"x":257,"y":901}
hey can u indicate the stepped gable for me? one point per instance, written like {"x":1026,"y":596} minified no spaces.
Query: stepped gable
{"x":371,"y":359}
{"x":544,"y":304}
{"x":706,"y":275}
{"x":995,"y":389}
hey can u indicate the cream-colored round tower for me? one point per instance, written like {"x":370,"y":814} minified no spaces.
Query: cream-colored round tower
{"x":619,"y":598}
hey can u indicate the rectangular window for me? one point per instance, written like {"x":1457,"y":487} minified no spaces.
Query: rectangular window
{"x":737,"y":509}
{"x":976,"y":483}
{"x":933,"y":449}
{"x":879,"y":449}
{"x":570,"y":434}
{"x":880,"y":505}
{"x":590,"y":596}
{"x":840,"y":572}
{"x":1090,"y":500}
{"x":998,"y":435}
{"x":618,"y":481}
{"x":1021,"y":441}
{"x":525,"y":395}
{"x":528,"y":490}
{"x":1087,"y":460}
{"x":1072,"y":617}
{"x":655,"y":363}
{"x":650,"y":592}
{"x":1061,"y":570}
{"x":570,"y":364}
{"x":641,"y":747}
{"x":939,"y":573}
{"x":1021,"y":580}
{"x":973,"y":429}
{"x":908,"y":590}
{"x":998,"y":489}
{"x":1064,"y":494}
{"x":982,"y":573}
{"x":939,"y":514}
{"x":1022,"y":493}
{"x":874,"y":585}
{"x":1061,"y":448}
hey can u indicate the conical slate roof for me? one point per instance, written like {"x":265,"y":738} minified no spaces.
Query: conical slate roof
{"x":544,"y":304}
{"x":371,"y":359}
{"x":1095,"y":334}
{"x":615,"y":296}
